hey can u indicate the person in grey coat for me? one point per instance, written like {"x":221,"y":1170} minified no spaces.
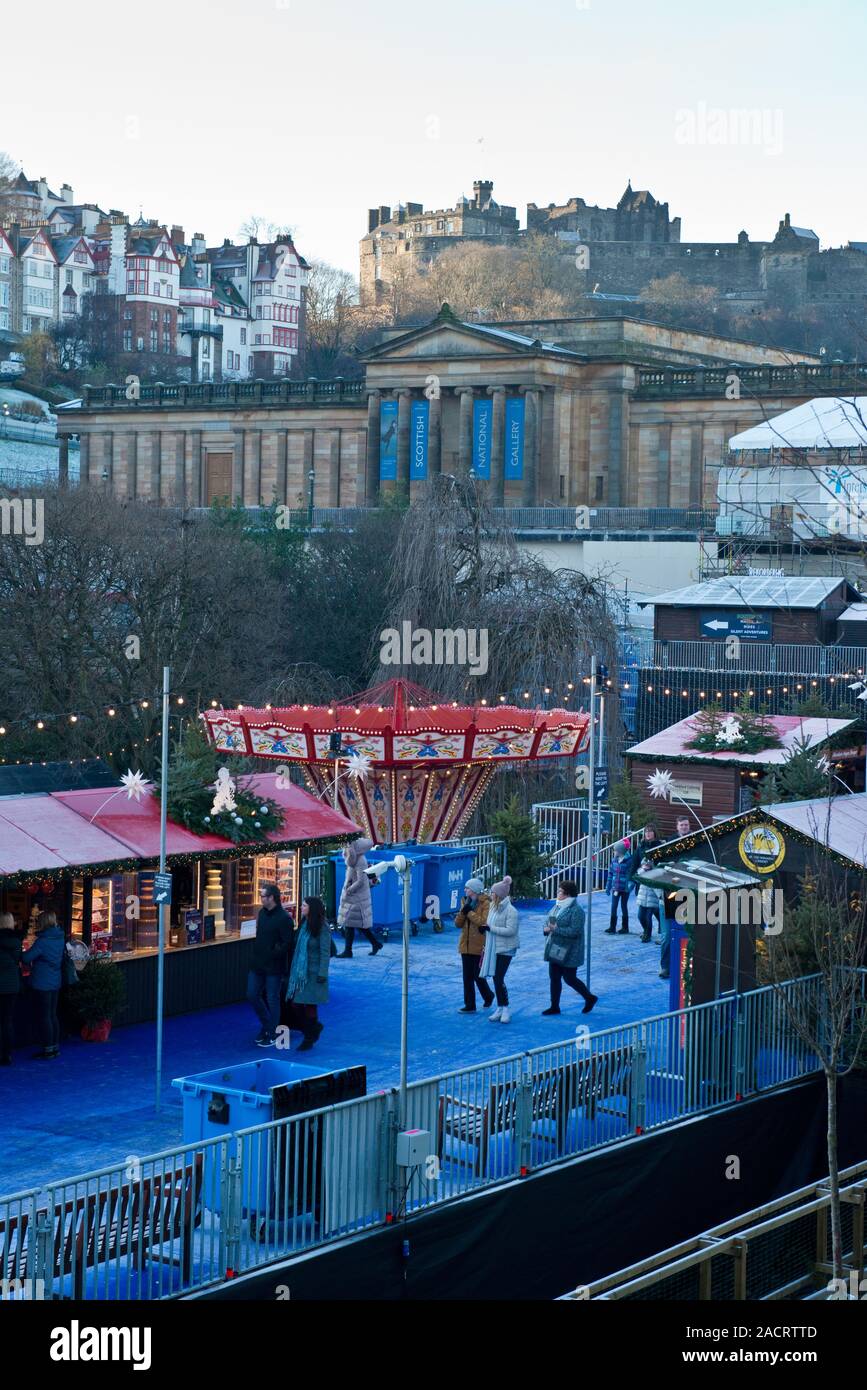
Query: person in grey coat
{"x":44,"y":960}
{"x":355,"y":912}
{"x":564,"y":947}
{"x":308,"y":978}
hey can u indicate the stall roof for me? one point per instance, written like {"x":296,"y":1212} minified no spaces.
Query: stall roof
{"x":63,"y":830}
{"x":753,"y":591}
{"x":826,"y":422}
{"x":792,"y":730}
{"x":700,"y":875}
{"x":841,"y":824}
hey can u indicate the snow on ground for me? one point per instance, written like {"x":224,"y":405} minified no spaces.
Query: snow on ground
{"x":95,"y":1105}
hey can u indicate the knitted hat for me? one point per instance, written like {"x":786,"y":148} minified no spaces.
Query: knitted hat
{"x":474,"y":885}
{"x":501,"y":890}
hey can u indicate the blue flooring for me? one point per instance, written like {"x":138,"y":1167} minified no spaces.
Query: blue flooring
{"x":95,"y":1106}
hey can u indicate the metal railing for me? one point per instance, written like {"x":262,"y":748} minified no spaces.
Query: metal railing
{"x":690,"y":519}
{"x":740,"y":1259}
{"x":562,"y":838}
{"x":808,"y":659}
{"x":194,"y":1215}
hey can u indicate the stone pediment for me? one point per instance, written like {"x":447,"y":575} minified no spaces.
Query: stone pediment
{"x":444,"y":342}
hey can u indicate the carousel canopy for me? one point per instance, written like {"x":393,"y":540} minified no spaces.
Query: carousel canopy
{"x":426,"y":763}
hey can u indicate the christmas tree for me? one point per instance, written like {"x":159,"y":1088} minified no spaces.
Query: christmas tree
{"x":523,"y":856}
{"x":194,"y":768}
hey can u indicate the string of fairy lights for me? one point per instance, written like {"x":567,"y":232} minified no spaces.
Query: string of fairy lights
{"x":37,"y":723}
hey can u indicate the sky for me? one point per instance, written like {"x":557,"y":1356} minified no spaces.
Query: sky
{"x":310,"y":113}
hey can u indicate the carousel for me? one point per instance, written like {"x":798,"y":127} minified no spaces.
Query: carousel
{"x":408,"y":767}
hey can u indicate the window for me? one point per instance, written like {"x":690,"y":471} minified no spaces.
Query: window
{"x":127,"y":313}
{"x":4,"y":320}
{"x":28,"y":324}
{"x":167,"y":342}
{"x":4,"y":296}
{"x":139,"y":342}
{"x":69,"y":277}
{"x":249,"y":364}
{"x":154,"y":340}
{"x":170,"y":294}
{"x":81,"y":257}
{"x":130,"y":284}
{"x":206,"y":348}
{"x":156,"y":288}
{"x":155,"y":315}
{"x":167,"y":319}
{"x":258,"y":311}
{"x":243,"y":337}
{"x":4,"y":265}
{"x":597,"y":496}
{"x":258,"y":338}
{"x":127,"y":340}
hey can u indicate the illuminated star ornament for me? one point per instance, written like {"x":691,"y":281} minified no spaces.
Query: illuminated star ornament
{"x":136,"y":785}
{"x":358,"y":765}
{"x":660,"y":783}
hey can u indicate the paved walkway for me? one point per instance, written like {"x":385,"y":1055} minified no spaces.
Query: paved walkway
{"x":95,"y":1105}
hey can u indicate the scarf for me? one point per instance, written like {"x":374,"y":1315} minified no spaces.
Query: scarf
{"x":298,"y":973}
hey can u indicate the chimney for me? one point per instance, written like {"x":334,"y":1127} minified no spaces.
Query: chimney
{"x":414,"y":209}
{"x":199,"y":247}
{"x":42,"y":185}
{"x":66,"y":193}
{"x":178,"y":236}
{"x":372,"y":219}
{"x":384,"y":215}
{"x":787,"y":220}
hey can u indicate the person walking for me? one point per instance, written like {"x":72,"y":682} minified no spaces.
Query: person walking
{"x":355,"y":911}
{"x":44,"y":960}
{"x":10,"y":984}
{"x":649,"y":905}
{"x":470,"y":920}
{"x":502,"y":942}
{"x":618,"y":886}
{"x":565,"y":947}
{"x":308,"y":977}
{"x":270,"y":960}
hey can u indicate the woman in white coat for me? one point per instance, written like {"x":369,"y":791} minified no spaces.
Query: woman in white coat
{"x":501,"y":945}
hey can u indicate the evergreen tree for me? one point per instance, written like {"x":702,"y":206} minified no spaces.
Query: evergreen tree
{"x":523,"y":856}
{"x":803,"y":775}
{"x":193,"y":767}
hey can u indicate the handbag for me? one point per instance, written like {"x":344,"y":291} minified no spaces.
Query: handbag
{"x":557,"y":952}
{"x":68,"y":972}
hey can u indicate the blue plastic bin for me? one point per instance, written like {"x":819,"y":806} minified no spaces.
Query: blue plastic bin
{"x":447,"y":869}
{"x":387,"y":895}
{"x":237,"y":1097}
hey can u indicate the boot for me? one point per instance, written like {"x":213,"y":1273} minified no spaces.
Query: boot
{"x":348,"y":937}
{"x":495,"y":1016}
{"x":506,"y":1015}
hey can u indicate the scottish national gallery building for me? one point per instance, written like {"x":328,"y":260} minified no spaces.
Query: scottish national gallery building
{"x":609,"y":412}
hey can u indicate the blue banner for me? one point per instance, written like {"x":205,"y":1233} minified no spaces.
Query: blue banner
{"x":483,"y":419}
{"x":513,"y":462}
{"x":388,"y":441}
{"x":418,"y":440}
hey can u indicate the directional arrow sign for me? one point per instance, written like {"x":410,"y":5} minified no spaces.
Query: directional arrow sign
{"x":162,"y":889}
{"x":717,"y":625}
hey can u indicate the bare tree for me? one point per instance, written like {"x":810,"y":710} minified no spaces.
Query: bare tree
{"x":825,"y":934}
{"x":263,"y":229}
{"x":330,"y":297}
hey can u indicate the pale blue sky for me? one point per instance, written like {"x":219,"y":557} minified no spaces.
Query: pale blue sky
{"x":202,"y":113}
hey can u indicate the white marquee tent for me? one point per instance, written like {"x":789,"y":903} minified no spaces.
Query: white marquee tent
{"x":826,"y":422}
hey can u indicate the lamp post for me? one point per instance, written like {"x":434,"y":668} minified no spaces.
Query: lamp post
{"x":311,"y":478}
{"x":163,"y":913}
{"x":403,"y":869}
{"x":591,"y":838}
{"x":5,"y":419}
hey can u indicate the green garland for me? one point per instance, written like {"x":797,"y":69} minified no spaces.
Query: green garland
{"x":757,"y":733}
{"x":193,"y":769}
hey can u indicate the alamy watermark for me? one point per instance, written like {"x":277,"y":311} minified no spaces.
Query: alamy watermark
{"x":758,"y":907}
{"x":23,"y":516}
{"x":440,"y":646}
{"x":761,"y":127}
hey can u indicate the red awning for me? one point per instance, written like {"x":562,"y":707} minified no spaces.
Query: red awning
{"x":68,"y":829}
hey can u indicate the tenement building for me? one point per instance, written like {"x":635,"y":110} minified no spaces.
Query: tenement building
{"x":608,"y":412}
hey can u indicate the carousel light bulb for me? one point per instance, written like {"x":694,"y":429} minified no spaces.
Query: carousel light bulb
{"x":39,"y":724}
{"x":144,"y":704}
{"x":73,"y":719}
{"x":213,"y":704}
{"x":180,"y":699}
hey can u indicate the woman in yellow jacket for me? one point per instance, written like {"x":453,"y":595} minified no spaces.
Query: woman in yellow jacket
{"x":471,"y":918}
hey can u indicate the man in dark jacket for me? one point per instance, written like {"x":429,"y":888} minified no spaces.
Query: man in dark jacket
{"x":269,"y":962}
{"x":10,"y":983}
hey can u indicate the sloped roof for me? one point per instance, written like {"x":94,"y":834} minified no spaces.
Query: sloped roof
{"x":753,"y":591}
{"x":793,"y":731}
{"x":825,"y":422}
{"x":502,"y":336}
{"x":840,"y":823}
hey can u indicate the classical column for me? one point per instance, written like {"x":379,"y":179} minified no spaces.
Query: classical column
{"x":282,"y":441}
{"x":180,"y":471}
{"x":498,"y":445}
{"x":84,"y":458}
{"x":157,"y":466}
{"x":465,"y":430}
{"x":132,"y":464}
{"x":404,"y":399}
{"x":334,"y":469}
{"x":435,"y":437}
{"x":308,"y":466}
{"x":197,"y":478}
{"x":532,"y":440}
{"x":238,"y":466}
{"x":371,"y":477}
{"x":256,"y":466}
{"x":63,"y":461}
{"x":107,"y":476}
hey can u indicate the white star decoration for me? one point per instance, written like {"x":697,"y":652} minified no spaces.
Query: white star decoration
{"x":358,"y":765}
{"x":660,"y":783}
{"x":136,"y":785}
